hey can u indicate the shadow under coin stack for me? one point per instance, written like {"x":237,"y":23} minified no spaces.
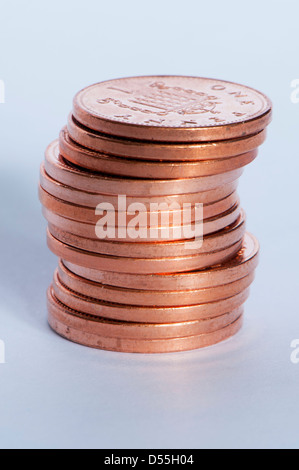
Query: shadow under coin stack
{"x":134,"y":153}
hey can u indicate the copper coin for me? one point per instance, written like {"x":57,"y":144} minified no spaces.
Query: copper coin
{"x":143,"y":346}
{"x":122,"y":219}
{"x":242,"y":264}
{"x":85,"y":180}
{"x":90,"y":199}
{"x":172,"y":108}
{"x":88,"y":214}
{"x":216,"y":241}
{"x":145,"y":314}
{"x":82,"y":330}
{"x":136,"y":330}
{"x":165,"y":233}
{"x":109,"y":164}
{"x":87,"y":296}
{"x":161,"y":151}
{"x":140,"y":265}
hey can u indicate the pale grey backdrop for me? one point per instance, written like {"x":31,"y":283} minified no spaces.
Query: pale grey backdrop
{"x":243,"y":393}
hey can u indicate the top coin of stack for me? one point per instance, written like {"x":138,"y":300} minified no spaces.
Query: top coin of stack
{"x":172,"y":109}
{"x":154,"y":140}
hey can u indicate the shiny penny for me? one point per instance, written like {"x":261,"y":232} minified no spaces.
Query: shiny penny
{"x":161,"y":151}
{"x":87,"y":296}
{"x":85,"y":180}
{"x":164,"y":233}
{"x":109,"y":164}
{"x":172,"y":108}
{"x":136,"y":330}
{"x":242,"y":264}
{"x":88,"y":215}
{"x":213,"y":242}
{"x":140,"y":265}
{"x":146,"y":314}
{"x":83,"y":331}
{"x":91,"y":199}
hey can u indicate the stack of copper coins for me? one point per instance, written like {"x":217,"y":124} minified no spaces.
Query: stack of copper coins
{"x":140,"y":197}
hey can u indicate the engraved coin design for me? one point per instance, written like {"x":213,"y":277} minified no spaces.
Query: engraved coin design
{"x":172,"y":108}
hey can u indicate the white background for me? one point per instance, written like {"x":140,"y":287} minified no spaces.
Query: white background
{"x":242,"y":393}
